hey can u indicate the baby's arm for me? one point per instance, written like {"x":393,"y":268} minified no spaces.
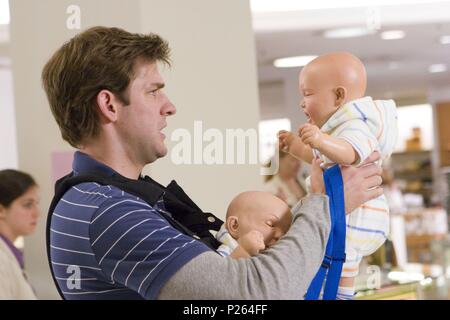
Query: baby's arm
{"x":293,"y":145}
{"x":336,"y":149}
{"x":249,"y":244}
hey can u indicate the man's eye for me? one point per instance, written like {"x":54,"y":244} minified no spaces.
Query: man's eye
{"x":155,"y":92}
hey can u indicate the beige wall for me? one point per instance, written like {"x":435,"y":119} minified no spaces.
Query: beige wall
{"x":213,"y":79}
{"x":8,"y":143}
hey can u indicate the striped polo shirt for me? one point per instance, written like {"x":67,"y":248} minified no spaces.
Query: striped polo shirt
{"x":108,"y":244}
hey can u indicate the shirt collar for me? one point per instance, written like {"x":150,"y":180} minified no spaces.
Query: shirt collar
{"x":83,"y":163}
{"x":349,"y":111}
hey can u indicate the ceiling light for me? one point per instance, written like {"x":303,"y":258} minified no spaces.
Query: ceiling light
{"x":435,"y":68}
{"x":292,"y":62}
{"x":392,"y":35}
{"x":295,"y":5}
{"x":4,"y":12}
{"x":445,"y":40}
{"x":347,"y":33}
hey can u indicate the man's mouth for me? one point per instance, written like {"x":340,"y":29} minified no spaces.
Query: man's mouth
{"x":160,"y":131}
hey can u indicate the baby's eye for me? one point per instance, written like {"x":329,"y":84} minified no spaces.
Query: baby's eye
{"x":269,"y":223}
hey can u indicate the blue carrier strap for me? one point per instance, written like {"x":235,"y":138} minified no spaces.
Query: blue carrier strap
{"x":331,"y":267}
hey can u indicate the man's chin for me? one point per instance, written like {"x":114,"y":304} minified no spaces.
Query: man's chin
{"x":155,"y":155}
{"x":162,"y":152}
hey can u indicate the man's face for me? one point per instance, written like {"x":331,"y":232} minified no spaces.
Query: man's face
{"x":319,"y":97}
{"x":142,"y":121}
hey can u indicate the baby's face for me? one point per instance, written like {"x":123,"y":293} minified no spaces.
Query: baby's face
{"x":271,"y":217}
{"x":319,"y":97}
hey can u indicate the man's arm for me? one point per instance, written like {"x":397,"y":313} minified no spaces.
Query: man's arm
{"x":284,"y":271}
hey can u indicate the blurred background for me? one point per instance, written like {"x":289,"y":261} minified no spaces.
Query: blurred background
{"x":405,"y":46}
{"x":236,"y":65}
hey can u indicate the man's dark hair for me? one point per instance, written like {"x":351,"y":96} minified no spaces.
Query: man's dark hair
{"x":98,"y":59}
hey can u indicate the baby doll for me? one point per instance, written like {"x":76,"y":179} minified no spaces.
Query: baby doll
{"x":344,"y":126}
{"x":255,"y":220}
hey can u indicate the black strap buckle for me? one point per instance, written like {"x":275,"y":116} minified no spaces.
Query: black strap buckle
{"x":326,"y":263}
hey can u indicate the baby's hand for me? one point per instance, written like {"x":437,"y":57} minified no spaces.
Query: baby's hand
{"x":311,"y":135}
{"x":288,"y":140}
{"x":252,"y":242}
{"x":285,"y":139}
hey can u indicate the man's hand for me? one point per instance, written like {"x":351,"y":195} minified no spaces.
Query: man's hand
{"x":362,"y":183}
{"x":252,"y":242}
{"x":311,"y":135}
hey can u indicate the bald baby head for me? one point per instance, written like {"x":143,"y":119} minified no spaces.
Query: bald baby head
{"x":330,"y":81}
{"x":261,"y":211}
{"x":341,"y":69}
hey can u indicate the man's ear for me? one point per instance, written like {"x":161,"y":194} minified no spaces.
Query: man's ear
{"x":108,"y":105}
{"x":233,"y":226}
{"x":341,"y":95}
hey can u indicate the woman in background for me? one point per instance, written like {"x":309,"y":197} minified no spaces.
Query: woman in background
{"x":19,"y":213}
{"x":286,"y":184}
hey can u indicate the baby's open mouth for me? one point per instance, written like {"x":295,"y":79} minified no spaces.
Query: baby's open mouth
{"x":308,"y":117}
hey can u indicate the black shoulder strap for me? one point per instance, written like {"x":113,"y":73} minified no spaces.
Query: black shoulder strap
{"x":181,"y":212}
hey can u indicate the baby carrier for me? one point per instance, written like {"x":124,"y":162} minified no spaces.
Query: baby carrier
{"x":180,"y":211}
{"x":331,"y":268}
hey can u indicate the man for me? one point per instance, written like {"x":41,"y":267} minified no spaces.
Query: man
{"x":105,"y":92}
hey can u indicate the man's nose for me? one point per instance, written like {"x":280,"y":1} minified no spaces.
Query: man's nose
{"x":169,"y":109}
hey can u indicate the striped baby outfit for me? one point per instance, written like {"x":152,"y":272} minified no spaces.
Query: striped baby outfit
{"x":368,"y":125}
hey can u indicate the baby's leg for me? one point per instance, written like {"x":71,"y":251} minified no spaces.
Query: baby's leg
{"x":346,"y":289}
{"x":350,"y":270}
{"x":367,"y":229}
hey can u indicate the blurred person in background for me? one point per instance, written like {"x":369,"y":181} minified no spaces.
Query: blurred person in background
{"x":393,"y":193}
{"x":287,"y":184}
{"x":19,"y":214}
